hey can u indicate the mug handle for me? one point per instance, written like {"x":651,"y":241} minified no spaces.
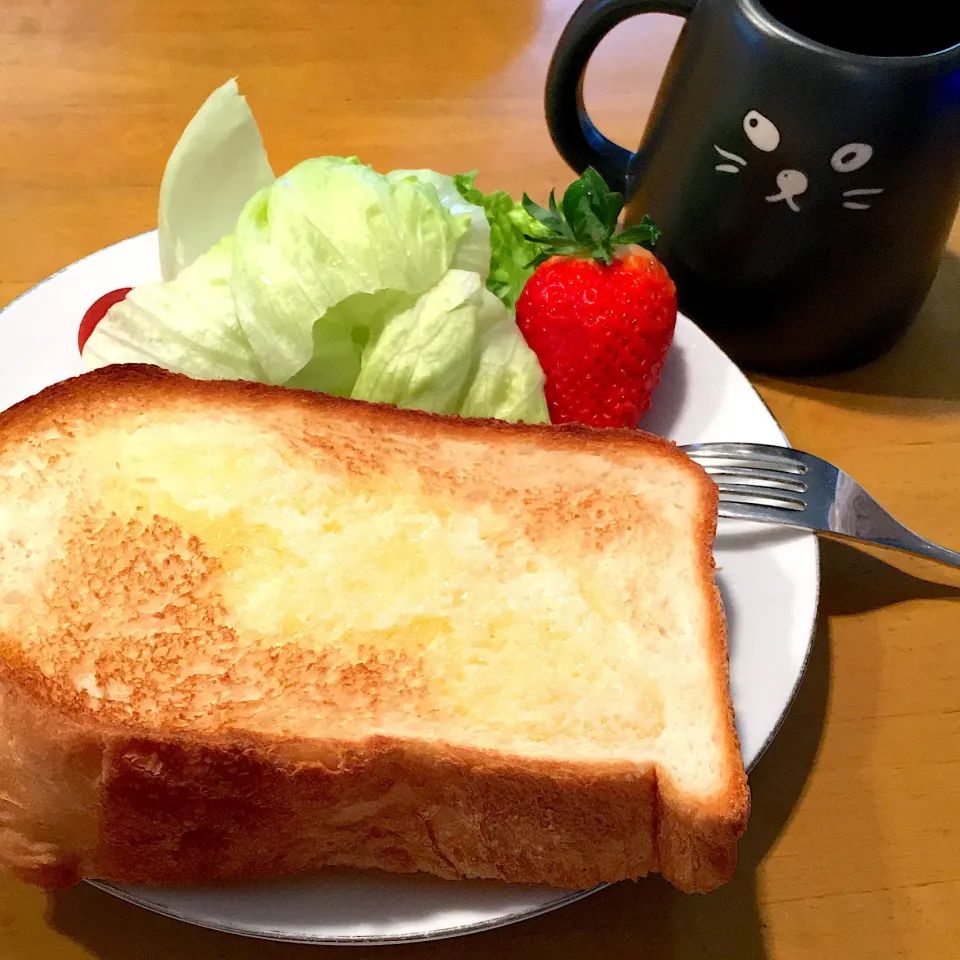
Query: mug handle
{"x":578,"y":141}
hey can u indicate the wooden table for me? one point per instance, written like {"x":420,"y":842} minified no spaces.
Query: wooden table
{"x":854,"y":845}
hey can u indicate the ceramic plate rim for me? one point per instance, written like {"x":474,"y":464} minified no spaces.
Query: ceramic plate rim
{"x":360,"y":940}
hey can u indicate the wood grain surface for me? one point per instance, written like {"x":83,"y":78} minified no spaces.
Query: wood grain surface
{"x":854,"y":845}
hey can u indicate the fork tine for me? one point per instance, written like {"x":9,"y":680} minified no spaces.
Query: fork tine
{"x":746,"y":454}
{"x":756,"y":511}
{"x":760,"y":477}
{"x":743,"y":493}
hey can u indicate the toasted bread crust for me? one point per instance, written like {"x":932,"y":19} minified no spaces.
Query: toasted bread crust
{"x":81,"y":797}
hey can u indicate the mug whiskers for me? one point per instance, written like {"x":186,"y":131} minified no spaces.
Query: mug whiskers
{"x":728,"y":167}
{"x":862,"y":192}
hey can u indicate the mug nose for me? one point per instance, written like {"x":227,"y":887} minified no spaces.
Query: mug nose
{"x":792,"y":182}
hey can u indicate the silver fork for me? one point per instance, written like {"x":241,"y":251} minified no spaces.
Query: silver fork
{"x":782,"y":485}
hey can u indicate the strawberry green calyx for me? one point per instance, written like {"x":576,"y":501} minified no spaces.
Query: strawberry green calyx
{"x":585,"y":224}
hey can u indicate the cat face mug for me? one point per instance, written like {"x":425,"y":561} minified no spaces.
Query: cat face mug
{"x":802,"y":161}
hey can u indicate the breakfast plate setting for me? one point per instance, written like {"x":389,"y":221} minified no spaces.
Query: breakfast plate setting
{"x":767,"y":576}
{"x":466,"y":479}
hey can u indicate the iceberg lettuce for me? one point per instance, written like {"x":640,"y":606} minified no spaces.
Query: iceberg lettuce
{"x":324,"y":232}
{"x":473,"y":250}
{"x":331,"y":277}
{"x":188,"y":325}
{"x":217,"y":165}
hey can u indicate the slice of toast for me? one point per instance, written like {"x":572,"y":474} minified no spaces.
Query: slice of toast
{"x":247,"y":631}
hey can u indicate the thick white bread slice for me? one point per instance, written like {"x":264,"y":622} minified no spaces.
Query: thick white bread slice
{"x":247,"y":631}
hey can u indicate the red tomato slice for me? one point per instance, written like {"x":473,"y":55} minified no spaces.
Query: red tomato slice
{"x":97,"y":312}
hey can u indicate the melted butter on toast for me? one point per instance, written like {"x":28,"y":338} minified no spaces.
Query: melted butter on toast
{"x":372,"y":596}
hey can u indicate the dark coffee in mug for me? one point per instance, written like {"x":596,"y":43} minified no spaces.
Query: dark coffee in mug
{"x":869,"y":27}
{"x":802,"y":161}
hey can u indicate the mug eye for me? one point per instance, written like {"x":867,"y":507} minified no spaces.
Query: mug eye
{"x":851,"y":157}
{"x":761,"y":131}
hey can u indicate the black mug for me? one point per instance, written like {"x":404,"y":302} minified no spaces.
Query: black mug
{"x":802,"y":161}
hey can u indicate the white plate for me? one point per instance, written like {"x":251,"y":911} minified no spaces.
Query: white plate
{"x":769,"y":578}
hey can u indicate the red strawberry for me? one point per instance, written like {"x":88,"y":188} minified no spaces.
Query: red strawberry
{"x":599,"y":311}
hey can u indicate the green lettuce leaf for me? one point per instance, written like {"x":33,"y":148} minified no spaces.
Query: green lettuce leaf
{"x":423,"y":356}
{"x":473,"y":250}
{"x":217,"y":165}
{"x":188,"y":325}
{"x":324,"y":232}
{"x":339,"y":341}
{"x":507,"y":382}
{"x":456,"y":350}
{"x":511,"y":254}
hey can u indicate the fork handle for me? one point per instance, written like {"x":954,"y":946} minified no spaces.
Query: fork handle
{"x":904,"y":539}
{"x":914,"y":543}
